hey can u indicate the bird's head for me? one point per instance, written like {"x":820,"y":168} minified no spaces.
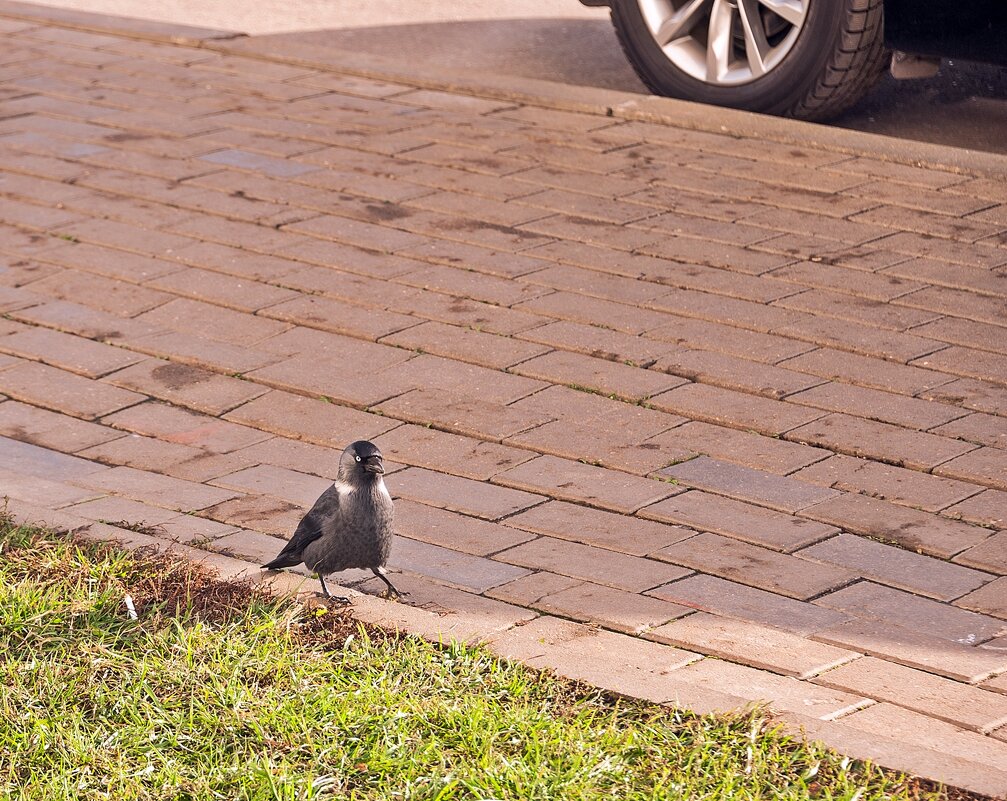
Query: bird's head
{"x":361,"y":461}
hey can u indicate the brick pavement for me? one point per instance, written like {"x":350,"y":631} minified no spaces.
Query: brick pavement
{"x":695,"y":417}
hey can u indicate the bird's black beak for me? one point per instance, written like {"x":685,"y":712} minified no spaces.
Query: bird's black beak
{"x":372,"y":464}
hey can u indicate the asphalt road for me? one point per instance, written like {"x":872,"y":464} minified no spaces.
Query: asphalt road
{"x":965,"y":105}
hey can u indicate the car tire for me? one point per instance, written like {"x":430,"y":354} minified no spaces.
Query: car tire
{"x":813,"y":64}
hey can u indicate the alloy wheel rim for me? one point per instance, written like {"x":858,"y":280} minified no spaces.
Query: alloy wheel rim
{"x":725,"y":42}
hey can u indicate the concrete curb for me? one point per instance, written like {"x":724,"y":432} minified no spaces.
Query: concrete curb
{"x":530,"y":91}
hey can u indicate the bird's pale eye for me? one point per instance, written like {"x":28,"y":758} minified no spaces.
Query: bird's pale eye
{"x":358,"y":458}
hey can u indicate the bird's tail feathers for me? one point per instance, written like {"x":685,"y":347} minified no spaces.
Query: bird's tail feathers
{"x":283,"y":560}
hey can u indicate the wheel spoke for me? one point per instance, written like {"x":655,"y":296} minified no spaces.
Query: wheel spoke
{"x":681,"y":22}
{"x":793,"y":11}
{"x":756,"y":44}
{"x":718,"y":43}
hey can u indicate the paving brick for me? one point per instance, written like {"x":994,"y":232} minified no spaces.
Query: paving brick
{"x":758,"y":567}
{"x":234,"y":261}
{"x":600,"y":343}
{"x":120,"y":511}
{"x":960,"y":704}
{"x":575,"y":279}
{"x":83,"y":321}
{"x":956,"y":331}
{"x":742,"y":521}
{"x":866,"y":371}
{"x":174,"y":424}
{"x":594,"y":311}
{"x":885,"y":718}
{"x":29,"y":459}
{"x":213,"y":322}
{"x":983,"y":429}
{"x":908,"y":528}
{"x":76,"y":354}
{"x":823,"y":275}
{"x":605,"y":377}
{"x":863,"y":311}
{"x":979,"y":395}
{"x":458,"y":378}
{"x":713,"y":254}
{"x":461,"y":494}
{"x":987,"y":466}
{"x":731,"y":372}
{"x":592,"y":440}
{"x":611,"y":608}
{"x":338,"y":317}
{"x":733,"y":409}
{"x":280,"y":482}
{"x":41,"y":491}
{"x":110,"y":263}
{"x":528,"y":590}
{"x":594,"y":527}
{"x":988,"y":508}
{"x":865,"y":340}
{"x":180,"y":461}
{"x":897,"y":567}
{"x":968,"y":362}
{"x":252,"y":545}
{"x":727,"y":599}
{"x":742,"y":447}
{"x":886,"y":482}
{"x":185,"y":385}
{"x":753,"y":645}
{"x":51,"y":388}
{"x":876,"y":405}
{"x":157,"y":490}
{"x":125,"y":237}
{"x":889,"y":606}
{"x":440,"y":527}
{"x":856,"y":436}
{"x":475,"y":285}
{"x":988,"y":554}
{"x":916,"y":649}
{"x":309,"y":419}
{"x":448,"y":453}
{"x":989,"y":600}
{"x":595,"y":486}
{"x":257,"y":512}
{"x":326,"y":378}
{"x":488,"y":350}
{"x":241,"y":294}
{"x":51,"y":430}
{"x":468,"y":416}
{"x":628,"y":420}
{"x":471,"y":257}
{"x":616,"y":662}
{"x":104,"y":294}
{"x":591,"y":564}
{"x":452,"y":567}
{"x":742,"y":483}
{"x":200,"y":351}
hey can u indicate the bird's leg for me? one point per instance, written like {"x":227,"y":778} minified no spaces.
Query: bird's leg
{"x":342,"y":599}
{"x":392,"y":592}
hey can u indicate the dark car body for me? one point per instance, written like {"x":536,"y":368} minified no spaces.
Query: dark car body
{"x":975,"y":30}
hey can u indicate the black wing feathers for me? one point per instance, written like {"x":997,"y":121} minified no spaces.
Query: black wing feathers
{"x":308,"y":530}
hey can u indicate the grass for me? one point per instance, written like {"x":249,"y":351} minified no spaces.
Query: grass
{"x":215,"y":691}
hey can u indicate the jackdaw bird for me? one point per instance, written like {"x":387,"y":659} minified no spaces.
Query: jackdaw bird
{"x":350,"y":524}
